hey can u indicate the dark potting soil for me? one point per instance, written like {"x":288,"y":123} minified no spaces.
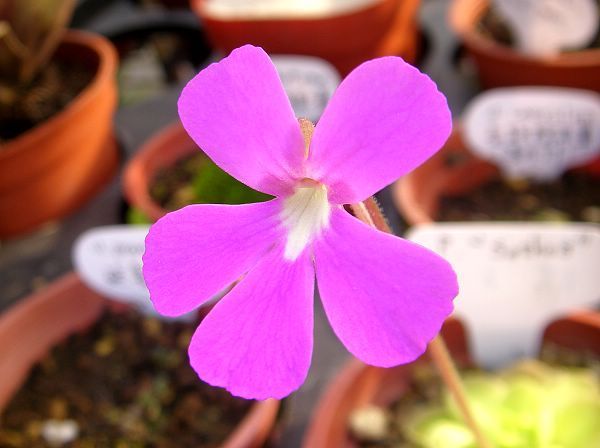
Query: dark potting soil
{"x":125,"y":383}
{"x":574,"y":197}
{"x":195,"y":179}
{"x":48,"y":94}
{"x":493,"y":26}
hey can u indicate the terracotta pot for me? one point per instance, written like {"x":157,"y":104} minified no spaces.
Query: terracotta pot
{"x":359,"y":385}
{"x":388,"y":27}
{"x":161,"y":151}
{"x":499,"y":65}
{"x":37,"y":323}
{"x":55,"y":167}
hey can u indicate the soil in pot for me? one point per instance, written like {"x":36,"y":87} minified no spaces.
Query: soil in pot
{"x":195,"y":179}
{"x":573,"y":197}
{"x":493,"y":26}
{"x":565,"y":384}
{"x":48,"y":94}
{"x":124,"y":383}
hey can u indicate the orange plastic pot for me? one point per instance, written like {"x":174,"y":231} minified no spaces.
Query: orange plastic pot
{"x":358,"y":385}
{"x":387,"y":27}
{"x":55,"y":167}
{"x":499,"y":65}
{"x":161,"y":151}
{"x":30,"y":329}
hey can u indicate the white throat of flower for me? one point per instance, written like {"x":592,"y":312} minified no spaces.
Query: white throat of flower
{"x":305,"y":214}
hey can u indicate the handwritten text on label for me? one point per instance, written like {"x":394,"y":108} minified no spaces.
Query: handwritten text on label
{"x":535,"y":132}
{"x":515,"y":278}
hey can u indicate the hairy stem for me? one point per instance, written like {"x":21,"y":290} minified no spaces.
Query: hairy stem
{"x":370,"y":213}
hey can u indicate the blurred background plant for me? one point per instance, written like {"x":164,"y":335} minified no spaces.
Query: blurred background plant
{"x":30,"y":32}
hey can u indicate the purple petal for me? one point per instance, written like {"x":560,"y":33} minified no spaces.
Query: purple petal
{"x":385,"y":297}
{"x":194,"y":253}
{"x":237,"y":111}
{"x":385,"y":119}
{"x":257,"y":341}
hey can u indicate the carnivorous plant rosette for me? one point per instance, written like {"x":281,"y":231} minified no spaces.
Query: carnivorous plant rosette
{"x":385,"y":297}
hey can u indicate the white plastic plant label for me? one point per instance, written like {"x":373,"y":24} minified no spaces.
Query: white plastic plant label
{"x":534,"y":132}
{"x":515,"y":278}
{"x":544,"y":27}
{"x":109,"y":260}
{"x":309,"y":83}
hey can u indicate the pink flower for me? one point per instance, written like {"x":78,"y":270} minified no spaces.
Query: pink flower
{"x":385,"y":297}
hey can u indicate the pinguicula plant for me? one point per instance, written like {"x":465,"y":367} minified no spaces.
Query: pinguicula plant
{"x":531,"y":404}
{"x":30,"y":31}
{"x":386,"y":298}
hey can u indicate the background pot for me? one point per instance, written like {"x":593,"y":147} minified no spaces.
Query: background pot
{"x":499,"y":65}
{"x":452,"y":171}
{"x":171,"y":44}
{"x":39,"y":322}
{"x":55,"y":167}
{"x":359,"y":385}
{"x":159,"y":152}
{"x":388,"y":27}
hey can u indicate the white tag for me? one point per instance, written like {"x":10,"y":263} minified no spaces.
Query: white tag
{"x":309,"y":83}
{"x":515,"y":278}
{"x":535,"y":132}
{"x":548,"y":26}
{"x":109,"y":260}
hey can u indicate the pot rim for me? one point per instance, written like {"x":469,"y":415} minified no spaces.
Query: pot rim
{"x":107,"y":65}
{"x":168,"y":144}
{"x":335,"y":392}
{"x":463,"y":15}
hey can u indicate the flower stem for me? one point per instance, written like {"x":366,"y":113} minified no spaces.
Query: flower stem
{"x":447,"y":370}
{"x":369,"y":212}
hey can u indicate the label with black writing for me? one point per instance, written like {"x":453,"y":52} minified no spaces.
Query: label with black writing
{"x":309,"y":83}
{"x":534,"y":132}
{"x":109,"y":260}
{"x":515,"y":278}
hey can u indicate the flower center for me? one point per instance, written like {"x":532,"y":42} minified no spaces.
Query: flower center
{"x":305,"y":214}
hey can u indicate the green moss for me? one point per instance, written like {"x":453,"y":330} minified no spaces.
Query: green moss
{"x":212,"y":185}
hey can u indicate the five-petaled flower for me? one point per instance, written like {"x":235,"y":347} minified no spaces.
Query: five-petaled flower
{"x":385,"y":297}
